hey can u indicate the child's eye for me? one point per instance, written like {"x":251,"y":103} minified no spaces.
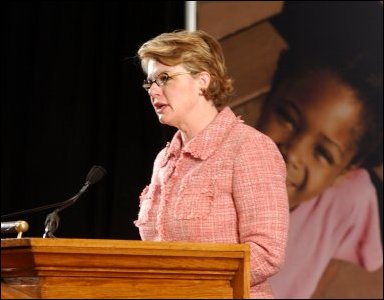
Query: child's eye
{"x":325,"y":154}
{"x":285,"y":117}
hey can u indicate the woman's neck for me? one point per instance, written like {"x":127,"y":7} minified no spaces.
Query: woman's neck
{"x":198,"y":123}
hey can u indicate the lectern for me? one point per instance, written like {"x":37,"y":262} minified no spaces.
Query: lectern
{"x":95,"y":268}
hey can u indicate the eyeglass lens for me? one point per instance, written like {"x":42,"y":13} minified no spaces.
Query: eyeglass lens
{"x":159,"y":80}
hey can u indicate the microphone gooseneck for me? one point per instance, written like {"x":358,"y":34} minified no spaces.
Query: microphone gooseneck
{"x":52,"y":220}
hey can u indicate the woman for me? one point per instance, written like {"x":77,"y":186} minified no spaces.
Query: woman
{"x":218,"y":180}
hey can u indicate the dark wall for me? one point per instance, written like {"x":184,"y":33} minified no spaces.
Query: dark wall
{"x":71,"y":99}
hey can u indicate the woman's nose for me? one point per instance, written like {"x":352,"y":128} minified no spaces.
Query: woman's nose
{"x":154,"y":90}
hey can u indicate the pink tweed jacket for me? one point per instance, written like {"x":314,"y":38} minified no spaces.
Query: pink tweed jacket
{"x":227,"y":185}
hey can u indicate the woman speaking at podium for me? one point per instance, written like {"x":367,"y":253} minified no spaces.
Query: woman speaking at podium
{"x":218,"y":180}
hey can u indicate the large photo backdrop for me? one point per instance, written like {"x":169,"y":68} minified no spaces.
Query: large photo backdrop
{"x":293,"y":63}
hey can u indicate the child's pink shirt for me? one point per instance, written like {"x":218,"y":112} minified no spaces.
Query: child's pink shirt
{"x":227,"y":185}
{"x":342,"y":223}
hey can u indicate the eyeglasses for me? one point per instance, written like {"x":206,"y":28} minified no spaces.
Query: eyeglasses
{"x":160,"y":80}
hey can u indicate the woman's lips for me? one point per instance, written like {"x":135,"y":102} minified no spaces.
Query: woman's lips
{"x":159,"y":107}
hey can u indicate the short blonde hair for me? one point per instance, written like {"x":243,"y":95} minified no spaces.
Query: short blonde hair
{"x":197,"y":51}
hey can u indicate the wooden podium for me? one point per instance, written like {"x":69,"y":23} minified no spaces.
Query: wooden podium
{"x":94,"y":268}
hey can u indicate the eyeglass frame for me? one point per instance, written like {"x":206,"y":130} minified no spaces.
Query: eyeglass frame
{"x":160,"y":82}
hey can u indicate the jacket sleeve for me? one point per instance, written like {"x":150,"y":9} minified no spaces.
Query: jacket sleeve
{"x":260,"y":195}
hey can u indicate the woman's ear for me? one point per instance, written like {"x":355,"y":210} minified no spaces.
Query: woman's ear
{"x":204,"y":79}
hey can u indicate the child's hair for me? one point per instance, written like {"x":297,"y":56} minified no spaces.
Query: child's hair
{"x":363,"y":72}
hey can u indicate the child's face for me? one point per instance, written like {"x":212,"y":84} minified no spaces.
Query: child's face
{"x":315,"y":123}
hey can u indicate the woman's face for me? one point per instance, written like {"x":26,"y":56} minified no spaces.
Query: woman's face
{"x":315,"y":123}
{"x":177,"y":97}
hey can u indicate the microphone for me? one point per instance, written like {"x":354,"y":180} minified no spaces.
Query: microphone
{"x":95,"y":174}
{"x":52,"y":221}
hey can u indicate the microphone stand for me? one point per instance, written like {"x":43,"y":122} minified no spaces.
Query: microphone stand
{"x":51,"y":224}
{"x":52,"y":220}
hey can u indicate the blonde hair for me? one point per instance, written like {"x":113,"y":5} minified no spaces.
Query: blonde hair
{"x":197,"y":51}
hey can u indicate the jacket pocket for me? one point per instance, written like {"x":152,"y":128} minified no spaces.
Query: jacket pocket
{"x":194,"y":202}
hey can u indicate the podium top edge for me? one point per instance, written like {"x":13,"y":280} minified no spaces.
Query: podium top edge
{"x":111,"y":243}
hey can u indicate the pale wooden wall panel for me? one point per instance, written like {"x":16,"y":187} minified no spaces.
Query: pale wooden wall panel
{"x":221,"y":18}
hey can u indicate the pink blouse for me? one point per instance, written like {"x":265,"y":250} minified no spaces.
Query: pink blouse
{"x":342,"y":223}
{"x":227,"y":185}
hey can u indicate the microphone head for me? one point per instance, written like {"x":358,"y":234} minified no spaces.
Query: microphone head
{"x":95,"y":174}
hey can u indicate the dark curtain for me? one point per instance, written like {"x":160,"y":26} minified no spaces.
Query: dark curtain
{"x":71,"y":99}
